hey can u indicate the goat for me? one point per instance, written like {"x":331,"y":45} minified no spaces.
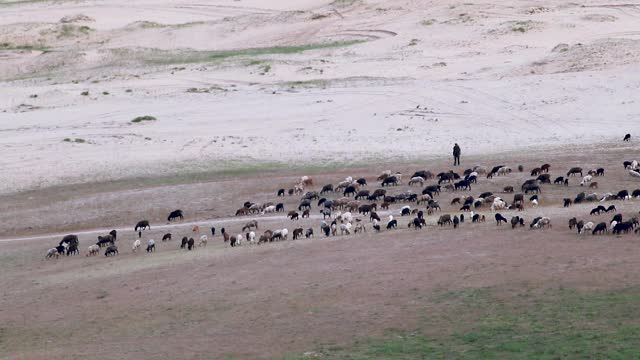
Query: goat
{"x":135,"y":246}
{"x":151,"y":245}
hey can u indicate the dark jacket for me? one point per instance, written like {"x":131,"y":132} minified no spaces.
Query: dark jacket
{"x":456,"y":150}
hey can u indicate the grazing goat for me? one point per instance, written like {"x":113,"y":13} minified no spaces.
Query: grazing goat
{"x":504,"y":170}
{"x":151,"y":245}
{"x":203,"y":240}
{"x":251,"y":237}
{"x":498,"y":204}
{"x":175,"y":215}
{"x":93,"y":250}
{"x":445,"y":220}
{"x":135,"y":246}
{"x":586,"y":179}
{"x":111,"y":251}
{"x":516,"y":220}
{"x":416,"y":180}
{"x":250,"y":224}
{"x":574,"y":171}
{"x":599,"y":229}
{"x":587,"y":227}
{"x":143,"y":224}
{"x":308,"y":233}
{"x":53,"y":252}
{"x":541,"y":223}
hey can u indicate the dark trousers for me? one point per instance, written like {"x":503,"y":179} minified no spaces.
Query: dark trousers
{"x":456,"y":160}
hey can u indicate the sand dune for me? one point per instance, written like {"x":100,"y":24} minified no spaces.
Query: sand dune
{"x":236,"y":83}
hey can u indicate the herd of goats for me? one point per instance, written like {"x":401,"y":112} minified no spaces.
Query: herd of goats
{"x":338,"y":213}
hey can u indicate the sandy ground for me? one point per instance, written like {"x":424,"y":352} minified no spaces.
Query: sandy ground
{"x":492,"y":76}
{"x":249,"y":95}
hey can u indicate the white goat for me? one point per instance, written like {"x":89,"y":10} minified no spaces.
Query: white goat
{"x":53,"y":252}
{"x":504,"y":170}
{"x":93,"y":250}
{"x":613,"y":225}
{"x":345,"y":228}
{"x":269,"y":209}
{"x":203,"y":240}
{"x":346,"y":217}
{"x":136,"y":245}
{"x":588,"y":226}
{"x":498,"y":204}
{"x":416,"y":180}
{"x":586,"y":179}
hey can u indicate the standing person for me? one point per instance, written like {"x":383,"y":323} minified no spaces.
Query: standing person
{"x":456,"y":154}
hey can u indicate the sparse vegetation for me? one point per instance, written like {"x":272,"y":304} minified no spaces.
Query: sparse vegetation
{"x":343,"y":3}
{"x":308,"y":83}
{"x":265,"y":69}
{"x":168,"y":57}
{"x":156,"y":25}
{"x":9,"y":46}
{"x":521,"y":26}
{"x":68,"y":30}
{"x":489,"y":323}
{"x":76,"y":140}
{"x":414,"y":42}
{"x":318,"y":16}
{"x":428,"y":22}
{"x":85,"y":93}
{"x":140,"y":119}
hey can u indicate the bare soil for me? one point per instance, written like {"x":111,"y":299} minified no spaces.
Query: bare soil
{"x":263,"y":302}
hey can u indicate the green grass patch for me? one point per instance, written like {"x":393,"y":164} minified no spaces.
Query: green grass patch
{"x":491,"y":323}
{"x":168,"y":58}
{"x":140,"y":119}
{"x":427,"y":22}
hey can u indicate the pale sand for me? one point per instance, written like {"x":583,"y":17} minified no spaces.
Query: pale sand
{"x":426,"y":75}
